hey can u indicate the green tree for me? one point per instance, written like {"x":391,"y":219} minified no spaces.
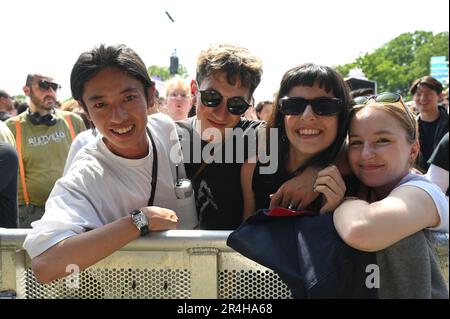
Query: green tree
{"x":395,"y":65}
{"x":163,"y":71}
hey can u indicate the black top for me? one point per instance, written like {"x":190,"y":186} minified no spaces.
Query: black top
{"x":440,"y":155}
{"x":430,"y":134}
{"x":218,"y":192}
{"x":8,"y":186}
{"x":265,"y":184}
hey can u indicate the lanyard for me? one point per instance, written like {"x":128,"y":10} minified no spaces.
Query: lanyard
{"x":154,"y":169}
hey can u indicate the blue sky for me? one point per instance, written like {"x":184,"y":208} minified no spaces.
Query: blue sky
{"x":47,"y":36}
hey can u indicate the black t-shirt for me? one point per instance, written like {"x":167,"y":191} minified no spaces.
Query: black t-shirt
{"x":8,"y":186}
{"x":440,"y":155}
{"x":427,"y":132}
{"x":218,"y":192}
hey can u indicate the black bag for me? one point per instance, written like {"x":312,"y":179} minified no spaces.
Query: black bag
{"x":307,"y":253}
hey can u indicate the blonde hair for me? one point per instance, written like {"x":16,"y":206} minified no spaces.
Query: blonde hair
{"x":398,"y":111}
{"x":175,"y":83}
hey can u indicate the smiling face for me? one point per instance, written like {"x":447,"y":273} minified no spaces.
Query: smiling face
{"x":219,"y":117}
{"x":117,"y":105}
{"x":309,"y":133}
{"x":379,"y":153}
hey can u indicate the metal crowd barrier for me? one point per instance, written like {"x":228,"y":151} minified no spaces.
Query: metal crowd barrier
{"x":174,"y":264}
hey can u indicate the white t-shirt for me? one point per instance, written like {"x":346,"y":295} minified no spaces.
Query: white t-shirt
{"x":439,"y":198}
{"x":101,"y":187}
{"x":80,"y":140}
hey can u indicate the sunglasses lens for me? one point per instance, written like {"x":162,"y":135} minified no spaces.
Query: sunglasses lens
{"x":292,"y":106}
{"x":326,"y":106}
{"x":211,"y":98}
{"x":388,"y":97}
{"x":237,"y":105}
{"x":361,"y":100}
{"x":44,"y":85}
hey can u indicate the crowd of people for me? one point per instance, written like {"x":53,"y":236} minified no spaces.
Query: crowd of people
{"x":319,"y":173}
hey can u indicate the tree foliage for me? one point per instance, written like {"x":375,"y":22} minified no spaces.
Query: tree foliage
{"x":395,"y":65}
{"x":163,"y":71}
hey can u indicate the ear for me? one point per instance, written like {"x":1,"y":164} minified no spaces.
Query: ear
{"x":151,"y":96}
{"x":26,"y":90}
{"x":415,"y":149}
{"x":194,"y":90}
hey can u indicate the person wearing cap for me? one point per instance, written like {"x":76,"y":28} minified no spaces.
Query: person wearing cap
{"x":43,"y":135}
{"x":6,"y":106}
{"x":432,"y":119}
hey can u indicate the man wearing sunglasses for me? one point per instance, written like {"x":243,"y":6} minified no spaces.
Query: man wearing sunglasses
{"x":217,"y":140}
{"x":43,"y":137}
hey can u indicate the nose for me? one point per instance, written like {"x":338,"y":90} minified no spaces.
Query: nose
{"x":118,"y":114}
{"x":221,"y":110}
{"x":367,"y":151}
{"x":308,"y":114}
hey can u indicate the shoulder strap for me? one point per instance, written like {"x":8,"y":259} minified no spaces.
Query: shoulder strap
{"x":26,"y":197}
{"x":72,"y":131}
{"x":154,"y":169}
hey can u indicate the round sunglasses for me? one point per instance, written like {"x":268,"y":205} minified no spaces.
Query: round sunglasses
{"x":236,"y":105}
{"x":323,"y":106}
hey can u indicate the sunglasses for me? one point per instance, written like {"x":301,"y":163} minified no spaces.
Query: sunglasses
{"x":45,"y":85}
{"x":236,"y":105}
{"x":387,"y":98}
{"x":323,"y":106}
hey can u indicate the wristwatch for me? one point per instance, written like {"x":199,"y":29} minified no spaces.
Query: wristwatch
{"x":140,"y":221}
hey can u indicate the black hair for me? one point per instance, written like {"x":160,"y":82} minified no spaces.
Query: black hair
{"x":308,"y":75}
{"x":91,"y":62}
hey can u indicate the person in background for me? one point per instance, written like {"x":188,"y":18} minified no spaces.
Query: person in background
{"x":438,"y":170}
{"x":73,"y":106}
{"x":432,"y":118}
{"x":7,"y":109}
{"x":178,"y":98}
{"x":43,"y":136}
{"x":264,"y":110}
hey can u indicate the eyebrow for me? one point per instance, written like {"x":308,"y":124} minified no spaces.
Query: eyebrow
{"x":95,"y":97}
{"x":376,"y":133}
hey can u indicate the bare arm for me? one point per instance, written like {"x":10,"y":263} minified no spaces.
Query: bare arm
{"x":248,"y":195}
{"x":372,"y":227}
{"x":298,"y":191}
{"x":88,"y":248}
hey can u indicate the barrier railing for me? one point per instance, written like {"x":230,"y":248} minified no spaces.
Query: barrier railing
{"x":172,"y":264}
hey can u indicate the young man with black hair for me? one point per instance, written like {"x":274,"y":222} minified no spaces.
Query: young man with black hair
{"x":432,"y":118}
{"x":115,"y":188}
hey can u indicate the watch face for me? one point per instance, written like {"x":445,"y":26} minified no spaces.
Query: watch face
{"x":140,"y":220}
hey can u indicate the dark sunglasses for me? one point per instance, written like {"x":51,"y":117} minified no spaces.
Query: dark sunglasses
{"x":45,"y":85}
{"x":323,"y":106}
{"x":236,"y":105}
